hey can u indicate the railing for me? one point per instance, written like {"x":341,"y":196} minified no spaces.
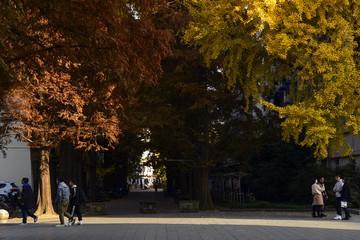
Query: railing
{"x":230,"y":197}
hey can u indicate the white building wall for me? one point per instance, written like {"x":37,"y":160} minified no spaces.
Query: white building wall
{"x":17,"y":163}
{"x":357,"y":162}
{"x":354,"y":142}
{"x":338,"y":161}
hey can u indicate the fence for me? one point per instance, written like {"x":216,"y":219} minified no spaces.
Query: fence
{"x":230,"y":197}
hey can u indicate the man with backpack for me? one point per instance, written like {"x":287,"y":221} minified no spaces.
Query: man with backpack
{"x":76,"y":198}
{"x":27,"y":201}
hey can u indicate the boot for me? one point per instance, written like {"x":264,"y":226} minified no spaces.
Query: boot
{"x":318,"y":208}
{"x":313,"y":212}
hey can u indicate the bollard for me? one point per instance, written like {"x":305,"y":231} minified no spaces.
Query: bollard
{"x":4,"y":216}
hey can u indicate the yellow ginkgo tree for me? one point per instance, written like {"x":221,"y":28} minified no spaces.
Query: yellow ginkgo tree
{"x":313,"y":44}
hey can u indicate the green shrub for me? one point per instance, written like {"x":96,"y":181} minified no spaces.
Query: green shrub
{"x":284,"y":172}
{"x":271,"y":205}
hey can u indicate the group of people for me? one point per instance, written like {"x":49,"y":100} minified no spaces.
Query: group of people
{"x":65,"y":196}
{"x":342,"y":193}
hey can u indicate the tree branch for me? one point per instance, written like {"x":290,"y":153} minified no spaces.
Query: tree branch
{"x":50,"y":49}
{"x":22,"y":136}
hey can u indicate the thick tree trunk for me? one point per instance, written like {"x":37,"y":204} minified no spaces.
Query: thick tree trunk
{"x":202,"y":184}
{"x":202,"y":188}
{"x":66,"y":161}
{"x":93,"y":161}
{"x":44,"y":201}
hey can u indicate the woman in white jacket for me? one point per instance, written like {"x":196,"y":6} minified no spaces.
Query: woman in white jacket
{"x":318,"y":200}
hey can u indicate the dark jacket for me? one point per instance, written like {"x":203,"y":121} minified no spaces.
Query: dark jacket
{"x":27,"y":197}
{"x":74,"y":196}
{"x":324,"y":193}
{"x":345,"y":193}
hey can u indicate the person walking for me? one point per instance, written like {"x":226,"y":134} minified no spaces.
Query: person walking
{"x":62,"y":200}
{"x":345,"y":197}
{"x":324,"y":194}
{"x":318,"y":201}
{"x":337,"y":189}
{"x":74,"y":204}
{"x":27,"y":201}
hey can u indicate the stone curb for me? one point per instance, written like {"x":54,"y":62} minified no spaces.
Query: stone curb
{"x":353,"y":211}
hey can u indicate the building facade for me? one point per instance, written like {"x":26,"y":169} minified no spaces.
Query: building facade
{"x":339,"y":161}
{"x":16,"y":164}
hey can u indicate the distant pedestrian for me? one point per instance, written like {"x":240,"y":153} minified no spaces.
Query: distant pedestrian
{"x":337,"y":189}
{"x":345,"y":198}
{"x":62,"y":200}
{"x":155,"y":186}
{"x":27,"y":201}
{"x":318,"y":201}
{"x":324,"y":194}
{"x":74,"y":204}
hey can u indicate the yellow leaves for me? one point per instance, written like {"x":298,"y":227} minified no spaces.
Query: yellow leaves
{"x":238,"y":9}
{"x":310,"y":42}
{"x":280,"y":45}
{"x":311,"y":121}
{"x":270,"y":3}
{"x":331,"y":111}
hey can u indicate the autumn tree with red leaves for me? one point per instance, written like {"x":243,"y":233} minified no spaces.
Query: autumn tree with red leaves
{"x":74,"y":67}
{"x":49,"y":109}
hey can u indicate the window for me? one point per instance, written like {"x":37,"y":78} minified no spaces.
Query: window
{"x":14,"y":185}
{"x":2,"y":185}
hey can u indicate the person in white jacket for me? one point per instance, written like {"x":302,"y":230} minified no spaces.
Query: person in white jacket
{"x":337,"y":188}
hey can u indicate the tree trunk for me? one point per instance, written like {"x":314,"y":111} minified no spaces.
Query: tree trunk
{"x":202,"y":185}
{"x":93,"y":187}
{"x":66,"y":161}
{"x":202,"y":188}
{"x":44,"y":201}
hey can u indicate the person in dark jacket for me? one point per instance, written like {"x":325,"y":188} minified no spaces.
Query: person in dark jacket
{"x":74,"y":204}
{"x":346,"y":197}
{"x":324,"y":194}
{"x":156,"y":186}
{"x":27,"y":201}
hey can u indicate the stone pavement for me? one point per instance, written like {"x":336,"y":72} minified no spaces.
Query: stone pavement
{"x":125,"y":222}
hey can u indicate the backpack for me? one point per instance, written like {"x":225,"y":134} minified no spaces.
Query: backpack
{"x":82,"y":196}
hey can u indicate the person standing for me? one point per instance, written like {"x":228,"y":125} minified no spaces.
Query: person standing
{"x":62,"y":200}
{"x":27,"y":201}
{"x":74,"y":204}
{"x":345,"y":197}
{"x":337,"y":188}
{"x":318,"y":201}
{"x":324,"y":194}
{"x":155,"y":186}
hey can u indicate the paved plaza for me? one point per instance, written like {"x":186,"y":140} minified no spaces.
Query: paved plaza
{"x":125,"y":222}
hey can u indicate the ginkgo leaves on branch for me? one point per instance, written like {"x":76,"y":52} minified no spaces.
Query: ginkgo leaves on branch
{"x":310,"y":43}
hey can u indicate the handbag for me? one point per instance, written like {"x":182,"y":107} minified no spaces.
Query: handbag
{"x":343,"y":204}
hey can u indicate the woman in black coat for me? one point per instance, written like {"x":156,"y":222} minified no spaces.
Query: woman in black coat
{"x":27,"y":201}
{"x":345,"y":197}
